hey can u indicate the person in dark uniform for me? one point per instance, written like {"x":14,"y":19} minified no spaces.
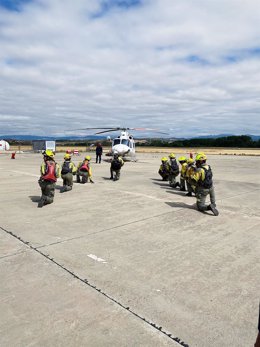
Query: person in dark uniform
{"x":99,"y":152}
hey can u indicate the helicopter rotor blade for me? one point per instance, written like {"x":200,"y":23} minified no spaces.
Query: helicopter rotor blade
{"x":98,"y":128}
{"x":108,"y":131}
{"x":150,"y":129}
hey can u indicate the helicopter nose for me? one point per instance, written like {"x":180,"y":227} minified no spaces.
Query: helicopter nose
{"x":120,"y":149}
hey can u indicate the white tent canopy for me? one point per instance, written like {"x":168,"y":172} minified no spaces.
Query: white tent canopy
{"x":4,"y":146}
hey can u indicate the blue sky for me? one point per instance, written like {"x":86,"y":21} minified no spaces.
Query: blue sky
{"x":187,"y":67}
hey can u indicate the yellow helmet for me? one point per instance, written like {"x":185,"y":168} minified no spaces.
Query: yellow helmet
{"x":190,"y":161}
{"x":201,"y":156}
{"x":87,"y":157}
{"x":184,"y":159}
{"x":172,"y":156}
{"x":49,"y":153}
{"x":67,"y":156}
{"x":164,"y":159}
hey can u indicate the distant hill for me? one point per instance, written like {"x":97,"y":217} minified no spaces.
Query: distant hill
{"x":50,"y":138}
{"x":253,"y":137}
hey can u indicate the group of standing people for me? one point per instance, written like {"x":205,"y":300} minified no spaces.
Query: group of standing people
{"x":196,"y":175}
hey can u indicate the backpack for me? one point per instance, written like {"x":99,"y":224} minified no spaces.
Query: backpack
{"x":174,"y":167}
{"x":50,"y":172}
{"x":65,"y":168}
{"x":207,"y":183}
{"x":84,"y":167}
{"x":116,"y":164}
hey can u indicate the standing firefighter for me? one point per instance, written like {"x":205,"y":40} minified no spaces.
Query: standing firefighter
{"x":115,"y":167}
{"x":173,"y":171}
{"x":183,"y":162}
{"x":67,"y":171}
{"x":164,"y":169}
{"x":84,"y":171}
{"x":191,"y":169}
{"x":50,"y":171}
{"x":202,"y":179}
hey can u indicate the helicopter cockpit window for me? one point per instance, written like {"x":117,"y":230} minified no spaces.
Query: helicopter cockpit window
{"x":125,"y":142}
{"x":116,"y":142}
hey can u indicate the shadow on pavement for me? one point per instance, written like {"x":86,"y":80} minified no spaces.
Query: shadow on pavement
{"x":162,"y":184}
{"x":176,"y":191}
{"x":35,"y":198}
{"x":181,"y":205}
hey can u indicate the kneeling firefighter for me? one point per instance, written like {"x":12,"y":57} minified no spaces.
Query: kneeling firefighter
{"x":191,"y":169}
{"x":50,"y":171}
{"x":84,"y":171}
{"x":115,"y":168}
{"x":183,"y":162}
{"x":164,"y":169}
{"x":67,"y":171}
{"x":202,"y":178}
{"x":173,"y":171}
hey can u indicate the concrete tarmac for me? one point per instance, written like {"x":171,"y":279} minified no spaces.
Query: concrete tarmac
{"x":129,"y":263}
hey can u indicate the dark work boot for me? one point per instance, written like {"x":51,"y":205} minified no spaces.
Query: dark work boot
{"x":177,"y":184}
{"x":189,"y":194}
{"x":42,"y":202}
{"x":213,"y":209}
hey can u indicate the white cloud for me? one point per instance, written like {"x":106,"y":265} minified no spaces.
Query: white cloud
{"x":185,"y":65}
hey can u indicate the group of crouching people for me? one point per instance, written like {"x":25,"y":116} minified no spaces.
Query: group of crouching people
{"x":196,"y":175}
{"x":51,"y":171}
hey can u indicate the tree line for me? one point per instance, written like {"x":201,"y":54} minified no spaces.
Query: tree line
{"x":242,"y":141}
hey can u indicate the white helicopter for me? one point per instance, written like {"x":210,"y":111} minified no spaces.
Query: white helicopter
{"x":124,"y":144}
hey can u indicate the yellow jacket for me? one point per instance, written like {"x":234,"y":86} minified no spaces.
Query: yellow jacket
{"x":183,"y":169}
{"x":122,"y":161}
{"x":190,"y":171}
{"x":164,"y":167}
{"x":199,"y":174}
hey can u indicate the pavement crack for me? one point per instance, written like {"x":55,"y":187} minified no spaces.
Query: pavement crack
{"x":108,"y":229}
{"x":91,"y":285}
{"x":11,"y":254}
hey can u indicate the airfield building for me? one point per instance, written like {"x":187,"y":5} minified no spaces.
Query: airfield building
{"x":42,"y":145}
